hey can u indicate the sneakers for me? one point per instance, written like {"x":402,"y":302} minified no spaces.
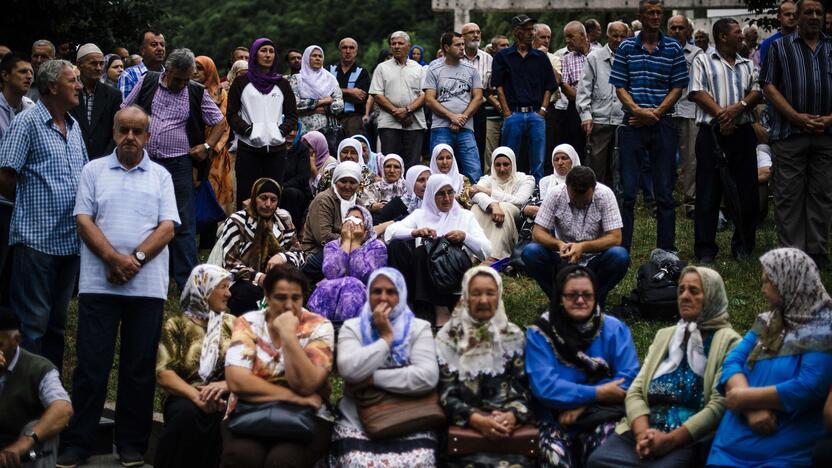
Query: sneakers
{"x":130,"y":458}
{"x":68,"y":460}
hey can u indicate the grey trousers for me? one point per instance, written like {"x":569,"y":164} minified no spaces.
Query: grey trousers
{"x":602,"y":140}
{"x":802,"y":170}
{"x":49,"y":448}
{"x":619,"y":452}
{"x":493,"y":129}
{"x":687,"y":156}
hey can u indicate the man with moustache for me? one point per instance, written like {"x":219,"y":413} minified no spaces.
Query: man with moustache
{"x":481,"y":60}
{"x":354,"y":82}
{"x":98,"y":103}
{"x":152,"y":50}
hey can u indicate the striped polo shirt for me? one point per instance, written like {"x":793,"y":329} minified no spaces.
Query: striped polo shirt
{"x":726,"y":84}
{"x":803,"y":77}
{"x":648,"y":77}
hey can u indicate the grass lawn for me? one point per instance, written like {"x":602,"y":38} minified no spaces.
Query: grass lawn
{"x":524,"y":299}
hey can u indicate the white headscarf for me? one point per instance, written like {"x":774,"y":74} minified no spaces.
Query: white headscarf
{"x":410,"y":198}
{"x":473,"y":348}
{"x":315,"y":84}
{"x":430,"y":216}
{"x":342,"y":170}
{"x":457,"y":181}
{"x":194,"y":302}
{"x":355,"y":144}
{"x":494,"y":181}
{"x":573,"y":155}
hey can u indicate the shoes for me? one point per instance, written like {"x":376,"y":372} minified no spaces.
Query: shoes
{"x":130,"y":458}
{"x":68,"y":460}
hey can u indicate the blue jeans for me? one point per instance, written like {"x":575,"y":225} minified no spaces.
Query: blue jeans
{"x":41,"y":287}
{"x":660,"y":141}
{"x":102,"y":318}
{"x":465,"y":149}
{"x":533,"y":127}
{"x":183,"y":247}
{"x":609,"y":268}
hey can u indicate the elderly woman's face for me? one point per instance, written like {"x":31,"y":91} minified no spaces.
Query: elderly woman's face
{"x":444,"y":161}
{"x":348,"y":153}
{"x":578,"y":298}
{"x":444,"y":198}
{"x":218,"y":299}
{"x":563,"y":164}
{"x":316,"y":59}
{"x":365,"y":150}
{"x":502,"y":166}
{"x":392,"y":171}
{"x":770,"y":292}
{"x":346,"y":187}
{"x":383,"y":290}
{"x":199,"y":74}
{"x":266,"y":203}
{"x":421,"y":184}
{"x":483,"y":297}
{"x":691,"y":297}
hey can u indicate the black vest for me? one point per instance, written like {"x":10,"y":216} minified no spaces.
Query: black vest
{"x":20,"y":400}
{"x":195,"y":127}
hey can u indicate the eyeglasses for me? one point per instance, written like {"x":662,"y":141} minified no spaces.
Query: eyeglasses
{"x":573,"y":297}
{"x":446,"y":194}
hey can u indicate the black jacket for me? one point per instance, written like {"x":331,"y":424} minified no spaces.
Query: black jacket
{"x":98,"y":133}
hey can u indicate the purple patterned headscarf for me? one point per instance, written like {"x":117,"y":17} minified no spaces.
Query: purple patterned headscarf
{"x":264,"y":82}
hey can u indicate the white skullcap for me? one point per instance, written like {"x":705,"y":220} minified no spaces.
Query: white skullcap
{"x":87,"y":49}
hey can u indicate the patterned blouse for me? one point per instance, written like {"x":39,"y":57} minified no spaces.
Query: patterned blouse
{"x":464,"y":198}
{"x":237,"y":238}
{"x":252,"y":348}
{"x":181,"y":346}
{"x":367,"y":180}
{"x":382,"y":192}
{"x":505,"y":392}
{"x":320,"y":122}
{"x":362,"y":261}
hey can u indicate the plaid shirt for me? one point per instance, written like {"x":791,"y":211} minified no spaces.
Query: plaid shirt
{"x":89,"y":101}
{"x":572,"y":224}
{"x":48,"y":170}
{"x":130,"y":78}
{"x":169,"y":117}
{"x":573,"y":67}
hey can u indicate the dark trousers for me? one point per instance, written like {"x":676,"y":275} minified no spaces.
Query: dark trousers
{"x":41,"y":287}
{"x":296,"y":202}
{"x":412,"y":262}
{"x":190,"y":437}
{"x":619,"y":452}
{"x":569,"y":130}
{"x":551,"y":120}
{"x":5,"y":257}
{"x":351,"y":125}
{"x":405,"y":143}
{"x":740,"y":152}
{"x":137,"y":321}
{"x":803,"y":200}
{"x":660,"y":142}
{"x":183,"y":247}
{"x":254,"y":163}
{"x":480,"y":131}
{"x":314,"y":266}
{"x":543,"y":263}
{"x":602,"y":139}
{"x":244,"y":452}
{"x":244,"y":297}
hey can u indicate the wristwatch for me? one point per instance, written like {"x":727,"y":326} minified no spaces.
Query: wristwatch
{"x":140,"y":256}
{"x":744,"y":104}
{"x":207,"y":146}
{"x":34,"y":436}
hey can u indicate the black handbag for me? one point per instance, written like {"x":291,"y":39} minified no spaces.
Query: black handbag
{"x":273,"y":420}
{"x":598,"y":414}
{"x":447,"y":263}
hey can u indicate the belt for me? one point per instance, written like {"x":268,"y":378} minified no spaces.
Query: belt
{"x":524,"y":109}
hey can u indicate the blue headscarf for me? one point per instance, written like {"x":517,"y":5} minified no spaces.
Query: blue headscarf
{"x":401,"y":317}
{"x":372,"y":159}
{"x":421,"y":57}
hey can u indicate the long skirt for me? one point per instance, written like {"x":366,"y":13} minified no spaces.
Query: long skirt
{"x":190,"y":437}
{"x":351,"y":448}
{"x":503,"y":238}
{"x":563,"y":448}
{"x":338,"y":299}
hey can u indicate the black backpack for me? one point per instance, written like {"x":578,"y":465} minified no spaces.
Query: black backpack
{"x":655,"y":295}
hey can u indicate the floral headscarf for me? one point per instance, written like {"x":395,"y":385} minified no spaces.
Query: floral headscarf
{"x":473,"y":348}
{"x":194,"y":303}
{"x":802,"y":322}
{"x":401,"y":317}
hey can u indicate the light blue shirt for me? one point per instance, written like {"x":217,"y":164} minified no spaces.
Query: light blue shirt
{"x":7,"y":113}
{"x":127,"y":206}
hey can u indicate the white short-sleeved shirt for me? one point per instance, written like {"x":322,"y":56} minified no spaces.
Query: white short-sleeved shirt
{"x":400,"y":84}
{"x":127,"y":206}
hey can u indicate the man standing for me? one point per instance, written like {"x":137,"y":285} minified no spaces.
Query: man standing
{"x":453,"y":91}
{"x":649,"y":74}
{"x":42,"y":50}
{"x":702,"y":40}
{"x":751,"y":36}
{"x":16,"y":78}
{"x":569,"y":123}
{"x":557,"y":101}
{"x":593,"y":33}
{"x":493,"y":111}
{"x":787,"y":17}
{"x":98,"y":103}
{"x":34,"y":404}
{"x":481,"y":60}
{"x":293,"y":61}
{"x":177,"y":139}
{"x":677,"y":28}
{"x":397,"y":90}
{"x":722,"y":86}
{"x":599,"y":109}
{"x":525,"y":80}
{"x":354,"y":82}
{"x":152,"y":50}
{"x":41,"y":157}
{"x":797,"y":82}
{"x":126,"y":213}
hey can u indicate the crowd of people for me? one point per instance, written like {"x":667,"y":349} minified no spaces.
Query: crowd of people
{"x":358,"y":221}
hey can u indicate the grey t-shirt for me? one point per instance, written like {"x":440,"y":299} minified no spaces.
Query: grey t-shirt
{"x":453,"y":85}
